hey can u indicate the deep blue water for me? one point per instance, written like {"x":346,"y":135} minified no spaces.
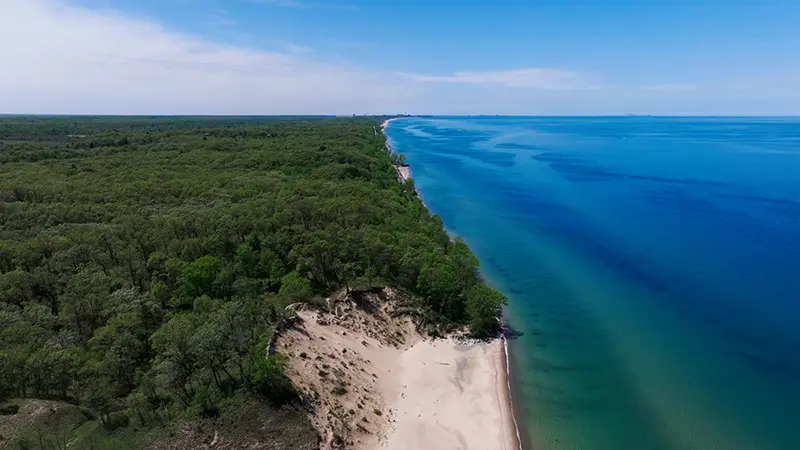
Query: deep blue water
{"x":652,"y":266}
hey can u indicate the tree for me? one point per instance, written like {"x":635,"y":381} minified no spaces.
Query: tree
{"x":271,"y":268}
{"x":87,"y":302}
{"x":16,"y":287}
{"x":485,"y":305}
{"x":465,"y":260}
{"x":121,"y":346}
{"x":442,"y":283}
{"x":200,"y":274}
{"x":295,"y":288}
{"x":247,"y":261}
{"x":176,"y":359}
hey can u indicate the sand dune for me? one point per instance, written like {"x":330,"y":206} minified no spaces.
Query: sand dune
{"x":376,"y":383}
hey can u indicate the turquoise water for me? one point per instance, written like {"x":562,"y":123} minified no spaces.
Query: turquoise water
{"x":652,"y":267}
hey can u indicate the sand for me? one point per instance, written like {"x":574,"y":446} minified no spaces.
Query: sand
{"x":399,"y":390}
{"x":453,"y":396}
{"x":386,"y":123}
{"x":356,"y":347}
{"x":404,"y":172}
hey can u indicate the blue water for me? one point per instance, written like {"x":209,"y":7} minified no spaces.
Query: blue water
{"x":652,"y":267}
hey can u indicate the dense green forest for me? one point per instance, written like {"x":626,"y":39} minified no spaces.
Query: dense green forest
{"x":144,"y":262}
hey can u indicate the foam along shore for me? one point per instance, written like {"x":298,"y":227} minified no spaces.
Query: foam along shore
{"x":386,"y":124}
{"x":452,"y":396}
{"x":377,"y":383}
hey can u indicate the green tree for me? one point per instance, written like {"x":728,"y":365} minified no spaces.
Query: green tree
{"x":442,"y":282}
{"x":176,"y":358}
{"x":16,"y":287}
{"x":271,"y":268}
{"x":199,"y":276}
{"x":87,"y":302}
{"x":295,"y":288}
{"x":485,"y":306}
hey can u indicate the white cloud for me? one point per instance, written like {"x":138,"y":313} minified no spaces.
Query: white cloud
{"x":670,"y":88}
{"x":530,"y":78}
{"x":66,"y":59}
{"x":57,"y":58}
{"x":72,"y":60}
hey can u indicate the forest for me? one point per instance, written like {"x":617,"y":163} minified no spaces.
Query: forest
{"x":144,"y":262}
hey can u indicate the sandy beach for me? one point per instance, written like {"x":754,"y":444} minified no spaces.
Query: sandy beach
{"x":397,"y":390}
{"x":453,"y":396}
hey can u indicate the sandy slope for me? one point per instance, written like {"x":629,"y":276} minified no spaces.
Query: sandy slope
{"x":404,"y":172}
{"x":396,"y":390}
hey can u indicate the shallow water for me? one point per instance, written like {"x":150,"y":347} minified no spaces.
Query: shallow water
{"x":652,"y":267}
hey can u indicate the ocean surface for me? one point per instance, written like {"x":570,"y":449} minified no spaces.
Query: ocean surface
{"x":652,"y":267}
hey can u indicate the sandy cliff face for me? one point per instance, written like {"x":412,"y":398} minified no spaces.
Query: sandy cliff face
{"x":346,"y":363}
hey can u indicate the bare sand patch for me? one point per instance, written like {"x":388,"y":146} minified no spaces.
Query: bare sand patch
{"x":404,"y":172}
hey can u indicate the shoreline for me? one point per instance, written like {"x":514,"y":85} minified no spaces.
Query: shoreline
{"x":502,"y":367}
{"x":403,"y":170}
{"x":509,"y":396}
{"x":506,"y":400}
{"x":386,"y":124}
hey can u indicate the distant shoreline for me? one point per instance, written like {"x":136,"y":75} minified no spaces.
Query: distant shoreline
{"x":403,"y":170}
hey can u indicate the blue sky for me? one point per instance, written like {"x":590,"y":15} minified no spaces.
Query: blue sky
{"x":383,"y":56}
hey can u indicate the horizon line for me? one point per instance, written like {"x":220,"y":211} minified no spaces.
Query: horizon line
{"x":394,"y":115}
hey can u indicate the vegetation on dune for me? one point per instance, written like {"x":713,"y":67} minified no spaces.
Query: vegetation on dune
{"x":144,"y":262}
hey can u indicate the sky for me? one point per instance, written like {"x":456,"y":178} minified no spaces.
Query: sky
{"x":520,"y":57}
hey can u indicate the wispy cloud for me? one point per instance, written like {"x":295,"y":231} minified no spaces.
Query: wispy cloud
{"x":302,"y":4}
{"x":529,"y":78}
{"x":77,"y":60}
{"x":670,"y":88}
